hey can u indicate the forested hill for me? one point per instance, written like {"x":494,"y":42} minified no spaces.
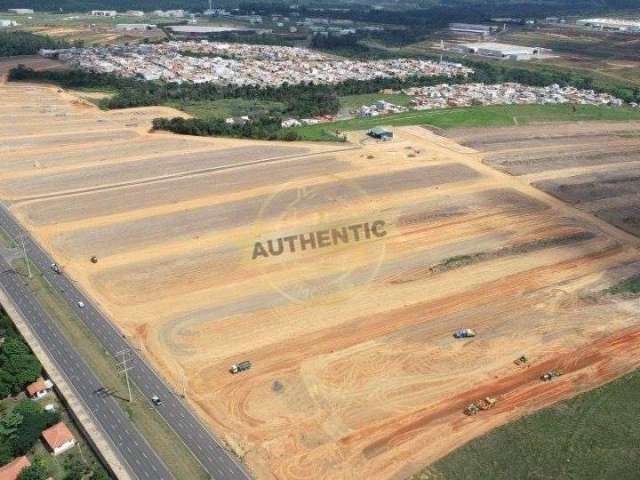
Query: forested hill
{"x":422,"y":7}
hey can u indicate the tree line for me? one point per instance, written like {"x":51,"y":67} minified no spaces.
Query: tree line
{"x":14,"y":43}
{"x":263,"y":128}
{"x":18,"y":365}
{"x":301,"y":100}
{"x":20,"y":428}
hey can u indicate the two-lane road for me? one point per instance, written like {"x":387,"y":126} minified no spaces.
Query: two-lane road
{"x":216,"y":460}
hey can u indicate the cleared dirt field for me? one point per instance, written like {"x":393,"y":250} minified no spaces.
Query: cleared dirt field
{"x":355,"y":371}
{"x":594,"y":166}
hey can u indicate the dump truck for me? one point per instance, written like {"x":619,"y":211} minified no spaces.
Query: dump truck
{"x":240,"y":367}
{"x":464,"y":333}
{"x":551,"y":374}
{"x":480,"y":405}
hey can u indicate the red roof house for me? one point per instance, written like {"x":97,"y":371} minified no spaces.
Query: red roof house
{"x":58,"y":438}
{"x":12,"y":470}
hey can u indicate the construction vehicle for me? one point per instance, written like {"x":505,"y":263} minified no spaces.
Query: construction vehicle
{"x":551,"y":374}
{"x":521,"y":361}
{"x":240,"y":367}
{"x":56,"y":268}
{"x":486,"y":403}
{"x":464,"y":333}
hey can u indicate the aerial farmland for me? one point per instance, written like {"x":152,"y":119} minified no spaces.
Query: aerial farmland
{"x":340,"y":271}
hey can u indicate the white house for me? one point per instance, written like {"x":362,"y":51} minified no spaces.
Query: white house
{"x":39,"y":388}
{"x":58,"y":438}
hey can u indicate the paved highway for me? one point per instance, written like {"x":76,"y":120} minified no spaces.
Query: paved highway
{"x":218,"y":462}
{"x":141,"y":460}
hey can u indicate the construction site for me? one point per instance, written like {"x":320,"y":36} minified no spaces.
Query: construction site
{"x":413,"y":294}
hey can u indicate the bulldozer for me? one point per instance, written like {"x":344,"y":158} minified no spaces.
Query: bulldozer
{"x":521,"y":361}
{"x":480,"y":405}
{"x":551,"y":374}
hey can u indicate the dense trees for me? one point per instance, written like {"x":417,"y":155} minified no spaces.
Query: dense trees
{"x":21,"y":428}
{"x":266,"y":128}
{"x":25,"y":43}
{"x":18,"y":366}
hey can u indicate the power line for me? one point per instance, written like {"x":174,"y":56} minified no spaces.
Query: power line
{"x":123,"y":368}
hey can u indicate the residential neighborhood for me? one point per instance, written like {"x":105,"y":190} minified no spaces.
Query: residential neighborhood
{"x":240,"y":64}
{"x":446,"y":95}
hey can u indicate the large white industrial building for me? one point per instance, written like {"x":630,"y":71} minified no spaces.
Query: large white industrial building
{"x":502,"y":50}
{"x":611,"y":24}
{"x":103,"y":13}
{"x":472,"y":29}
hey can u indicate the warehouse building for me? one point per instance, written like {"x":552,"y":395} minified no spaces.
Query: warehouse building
{"x":21,"y":11}
{"x":471,"y":29}
{"x":194,"y":31}
{"x":103,"y":13}
{"x":611,"y":24}
{"x":135,"y":27}
{"x":502,"y":50}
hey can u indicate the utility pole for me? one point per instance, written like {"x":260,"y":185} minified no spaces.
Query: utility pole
{"x":124,"y":368}
{"x":26,"y":257}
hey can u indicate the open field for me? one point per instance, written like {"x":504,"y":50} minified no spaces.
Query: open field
{"x":493,"y":116}
{"x":355,"y":372}
{"x":351,"y":102}
{"x":228,"y":107}
{"x":595,"y":166}
{"x":586,"y":438}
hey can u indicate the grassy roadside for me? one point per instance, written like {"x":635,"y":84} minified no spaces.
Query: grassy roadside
{"x":5,"y":240}
{"x":594,"y":436}
{"x":161,"y":437}
{"x":490,"y":116}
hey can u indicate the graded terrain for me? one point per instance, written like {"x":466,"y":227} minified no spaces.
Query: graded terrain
{"x":355,"y":371}
{"x":593,"y":166}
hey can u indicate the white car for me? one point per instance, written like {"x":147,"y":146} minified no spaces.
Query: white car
{"x":81,"y":304}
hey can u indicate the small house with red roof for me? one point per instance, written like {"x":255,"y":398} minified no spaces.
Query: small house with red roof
{"x":58,"y":438}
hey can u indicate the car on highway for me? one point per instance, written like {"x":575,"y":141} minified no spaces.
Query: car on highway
{"x":156,"y":400}
{"x":81,"y":304}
